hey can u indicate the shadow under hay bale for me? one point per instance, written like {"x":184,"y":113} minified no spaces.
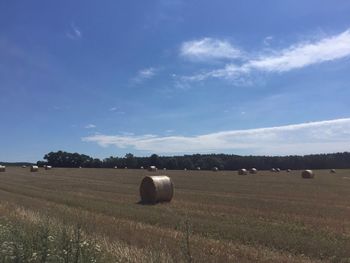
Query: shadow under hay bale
{"x":154,"y":189}
{"x":34,"y":168}
{"x":2,"y":168}
{"x":242,"y":172}
{"x":307,"y":174}
{"x":253,"y":171}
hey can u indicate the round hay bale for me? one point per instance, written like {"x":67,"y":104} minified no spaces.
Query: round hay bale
{"x":141,"y":167}
{"x":185,"y":169}
{"x":2,"y":168}
{"x":288,"y":170}
{"x":115,"y":167}
{"x":48,"y":167}
{"x":242,"y":171}
{"x":198,"y":168}
{"x":155,"y":189}
{"x":273,"y":170}
{"x":164,"y":169}
{"x":333,"y":171}
{"x":125,"y":167}
{"x":253,"y":171}
{"x":215,"y":169}
{"x":278,"y":170}
{"x":34,"y":168}
{"x":307,"y":174}
{"x":152,"y":168}
{"x":24,"y":166}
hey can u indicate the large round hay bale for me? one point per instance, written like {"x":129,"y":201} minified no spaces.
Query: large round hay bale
{"x":288,"y":170}
{"x":2,"y":168}
{"x":152,"y":168}
{"x":215,"y":169}
{"x":198,"y":168}
{"x":141,"y":167}
{"x":273,"y":170}
{"x":48,"y":167}
{"x":242,"y":172}
{"x":115,"y":167}
{"x":34,"y":168}
{"x":278,"y":170}
{"x":253,"y":171}
{"x":155,"y":189}
{"x":307,"y":174}
{"x":333,"y":171}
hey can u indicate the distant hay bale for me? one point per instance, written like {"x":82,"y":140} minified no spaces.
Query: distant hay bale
{"x":24,"y":166}
{"x":34,"y":168}
{"x":115,"y":167}
{"x":215,"y":169}
{"x":242,"y":172}
{"x":80,"y":167}
{"x":164,"y":169}
{"x":333,"y":171}
{"x":253,"y":171}
{"x":152,"y":168}
{"x":307,"y":174}
{"x":2,"y":168}
{"x":288,"y":170}
{"x":48,"y":167}
{"x":155,"y":189}
{"x":125,"y":167}
{"x":198,"y":168}
{"x":278,"y":170}
{"x":141,"y":167}
{"x":273,"y":170}
{"x":185,"y":169}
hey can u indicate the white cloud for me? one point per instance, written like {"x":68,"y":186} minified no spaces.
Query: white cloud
{"x":145,"y":74}
{"x":209,"y":49}
{"x":74,"y":32}
{"x":305,"y":54}
{"x":90,"y":126}
{"x":304,"y":138}
{"x":267,"y":40}
{"x":295,"y":57}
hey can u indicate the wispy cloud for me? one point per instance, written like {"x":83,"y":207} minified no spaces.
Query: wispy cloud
{"x":74,"y":32}
{"x":145,"y":74}
{"x":304,"y":138}
{"x":295,"y":57}
{"x":209,"y":49}
{"x":90,"y":126}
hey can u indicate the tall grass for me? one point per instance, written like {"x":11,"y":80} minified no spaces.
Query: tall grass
{"x":44,"y":242}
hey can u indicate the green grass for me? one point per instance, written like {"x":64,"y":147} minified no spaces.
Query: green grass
{"x":214,"y":216}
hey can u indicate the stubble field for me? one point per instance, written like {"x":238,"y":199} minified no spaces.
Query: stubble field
{"x":75,"y":215}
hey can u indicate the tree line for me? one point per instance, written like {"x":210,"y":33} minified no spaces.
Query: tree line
{"x":204,"y":161}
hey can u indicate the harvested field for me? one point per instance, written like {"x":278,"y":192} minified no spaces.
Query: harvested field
{"x":213,"y":217}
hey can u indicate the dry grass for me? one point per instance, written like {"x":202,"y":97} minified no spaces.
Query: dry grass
{"x":214,"y":217}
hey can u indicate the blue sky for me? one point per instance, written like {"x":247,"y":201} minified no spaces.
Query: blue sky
{"x":174,"y":77}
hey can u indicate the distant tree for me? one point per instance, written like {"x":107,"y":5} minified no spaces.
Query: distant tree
{"x":205,"y":161}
